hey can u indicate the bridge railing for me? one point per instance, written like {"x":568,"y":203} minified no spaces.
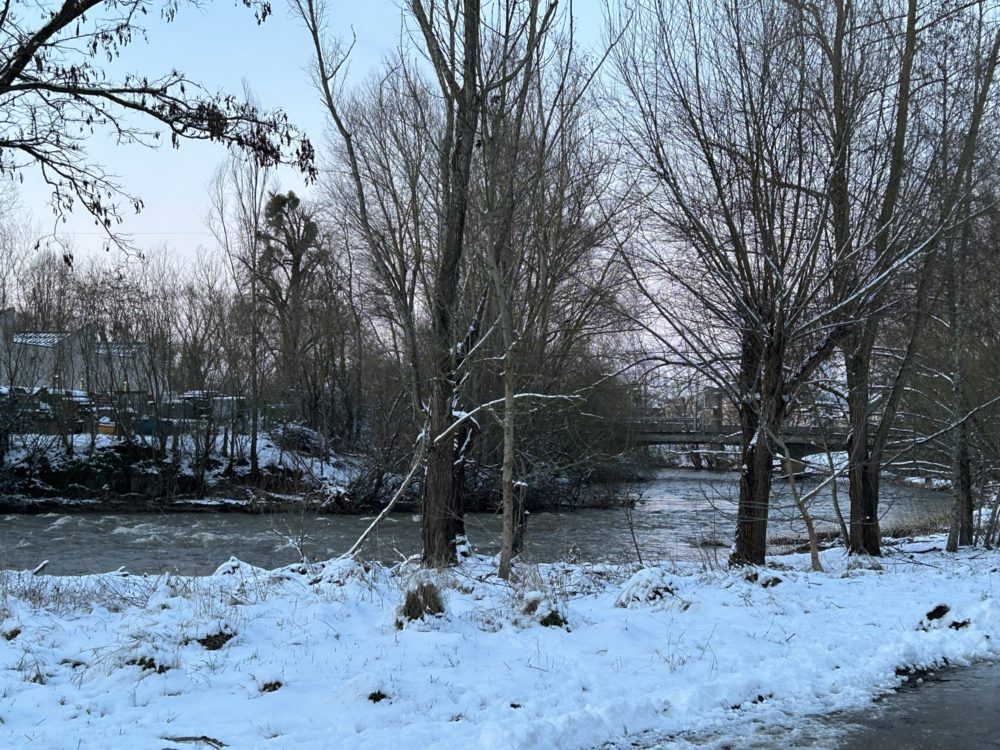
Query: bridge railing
{"x":681,"y":430}
{"x":703,"y":425}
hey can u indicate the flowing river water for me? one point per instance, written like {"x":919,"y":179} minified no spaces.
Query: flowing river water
{"x":677,"y":515}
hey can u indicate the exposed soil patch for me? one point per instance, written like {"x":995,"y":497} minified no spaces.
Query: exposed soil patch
{"x":216,"y":641}
{"x":938,"y":612}
{"x":147,"y":663}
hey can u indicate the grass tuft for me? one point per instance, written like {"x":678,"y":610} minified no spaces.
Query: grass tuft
{"x":421,"y":598}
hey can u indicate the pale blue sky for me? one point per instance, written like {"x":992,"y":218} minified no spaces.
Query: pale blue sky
{"x":222,"y":46}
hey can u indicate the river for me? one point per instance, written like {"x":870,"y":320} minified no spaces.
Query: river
{"x":678,"y":515}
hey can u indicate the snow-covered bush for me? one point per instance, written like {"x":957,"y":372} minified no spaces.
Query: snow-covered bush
{"x":648,"y":586}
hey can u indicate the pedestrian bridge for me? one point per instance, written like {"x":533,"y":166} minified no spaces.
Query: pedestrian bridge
{"x":802,"y":440}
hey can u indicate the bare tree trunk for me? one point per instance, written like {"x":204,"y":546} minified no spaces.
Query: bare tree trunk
{"x":442,"y":502}
{"x":802,"y":505}
{"x":862,"y":470}
{"x":960,"y":530}
{"x":254,"y":422}
{"x":864,"y":480}
{"x":761,"y":415}
{"x":990,"y":535}
{"x":755,"y":493}
{"x":442,"y":519}
{"x":507,"y":471}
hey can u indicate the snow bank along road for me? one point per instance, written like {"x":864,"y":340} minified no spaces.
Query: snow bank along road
{"x":321,"y":656}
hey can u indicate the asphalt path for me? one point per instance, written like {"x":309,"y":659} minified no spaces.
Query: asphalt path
{"x":956,"y":709}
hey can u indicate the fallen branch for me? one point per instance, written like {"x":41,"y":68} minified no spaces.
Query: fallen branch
{"x":210,"y":741}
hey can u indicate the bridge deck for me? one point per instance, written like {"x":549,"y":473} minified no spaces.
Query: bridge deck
{"x":800,"y":440}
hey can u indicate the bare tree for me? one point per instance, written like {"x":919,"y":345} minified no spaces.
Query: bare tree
{"x":451,"y":36}
{"x":503,"y":145}
{"x":736,"y":274}
{"x":239,"y":196}
{"x":291,"y":255}
{"x":903,"y":123}
{"x":198,"y":325}
{"x":45,"y":298}
{"x":817,"y":160}
{"x":547,"y":223}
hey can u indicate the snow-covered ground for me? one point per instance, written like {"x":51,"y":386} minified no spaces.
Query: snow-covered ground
{"x":320,"y":658}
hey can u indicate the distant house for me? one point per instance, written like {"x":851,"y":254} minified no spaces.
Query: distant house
{"x":69,"y":360}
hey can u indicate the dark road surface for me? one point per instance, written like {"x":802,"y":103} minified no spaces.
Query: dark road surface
{"x":952,"y":709}
{"x":957,"y":709}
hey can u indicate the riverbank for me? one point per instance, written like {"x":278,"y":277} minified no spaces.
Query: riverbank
{"x":568,"y":656}
{"x":297,"y":470}
{"x":43,"y":472}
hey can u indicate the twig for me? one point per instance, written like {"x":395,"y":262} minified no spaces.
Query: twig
{"x":631,"y":530}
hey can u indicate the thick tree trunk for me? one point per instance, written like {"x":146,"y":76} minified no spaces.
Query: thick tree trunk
{"x":863,"y":468}
{"x":866,"y":537}
{"x":755,"y":494}
{"x":442,"y":520}
{"x":761,"y":413}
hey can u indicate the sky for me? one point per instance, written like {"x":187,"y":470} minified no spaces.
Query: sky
{"x":221,"y":45}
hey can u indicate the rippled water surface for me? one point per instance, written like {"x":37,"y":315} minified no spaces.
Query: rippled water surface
{"x":679,"y":515}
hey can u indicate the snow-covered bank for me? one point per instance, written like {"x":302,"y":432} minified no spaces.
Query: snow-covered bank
{"x":49,"y":472}
{"x":320,"y":657}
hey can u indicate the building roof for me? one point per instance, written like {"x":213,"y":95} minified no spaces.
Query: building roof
{"x":49,"y":339}
{"x":40,"y":338}
{"x":119,"y":349}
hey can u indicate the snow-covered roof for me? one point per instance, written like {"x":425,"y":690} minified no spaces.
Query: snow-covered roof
{"x":187,"y":395}
{"x":69,"y":393}
{"x":74,"y":394}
